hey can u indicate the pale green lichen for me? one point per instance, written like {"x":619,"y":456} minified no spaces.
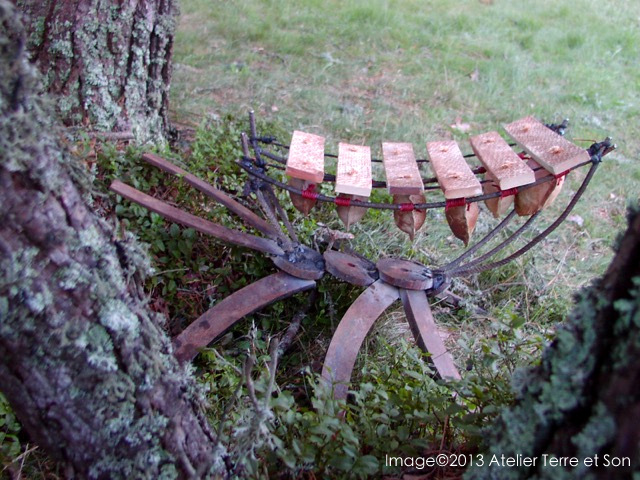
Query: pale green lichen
{"x":597,"y":433}
{"x":98,"y":347}
{"x":72,"y":277}
{"x":62,"y":47}
{"x":38,"y":301}
{"x":109,"y":75}
{"x":118,"y":317}
{"x":87,"y":354}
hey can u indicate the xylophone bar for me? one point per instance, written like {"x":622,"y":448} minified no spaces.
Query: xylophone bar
{"x":549,"y":149}
{"x":454,"y":175}
{"x":306,"y":157}
{"x":505,"y":167}
{"x":354,"y":170}
{"x":403,"y":176}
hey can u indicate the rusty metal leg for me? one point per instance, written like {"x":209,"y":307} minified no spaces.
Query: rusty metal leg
{"x":243,"y":212}
{"x":188,"y":220}
{"x":425,"y":331}
{"x":353,"y":328}
{"x":245,"y":301}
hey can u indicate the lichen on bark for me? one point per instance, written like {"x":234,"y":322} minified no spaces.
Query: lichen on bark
{"x":107,"y":63}
{"x":88,"y":369}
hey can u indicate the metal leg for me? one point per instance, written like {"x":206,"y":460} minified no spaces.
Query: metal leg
{"x":176,"y":215}
{"x":243,"y":212}
{"x":353,"y":328}
{"x":425,"y":331}
{"x":245,"y":301}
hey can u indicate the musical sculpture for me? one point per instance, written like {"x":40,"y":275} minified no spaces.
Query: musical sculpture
{"x":529,"y":180}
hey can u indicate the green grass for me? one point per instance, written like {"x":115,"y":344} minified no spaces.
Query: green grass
{"x":375,"y":70}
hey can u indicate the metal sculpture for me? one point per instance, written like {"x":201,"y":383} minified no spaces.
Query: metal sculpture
{"x":385,"y":281}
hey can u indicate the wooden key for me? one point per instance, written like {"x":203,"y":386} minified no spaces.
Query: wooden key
{"x":403,"y":176}
{"x":454,"y":175}
{"x":354,"y":170}
{"x":549,"y":149}
{"x":353,"y":181}
{"x":505,"y":167}
{"x":306,"y":157}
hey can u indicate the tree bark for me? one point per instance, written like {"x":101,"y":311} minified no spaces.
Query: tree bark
{"x":584,"y":398}
{"x":87,"y":368}
{"x":106,"y":62}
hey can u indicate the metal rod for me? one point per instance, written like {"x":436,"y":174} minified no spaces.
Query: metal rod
{"x":333,"y":155}
{"x":264,"y":203}
{"x":243,"y":212}
{"x":497,"y":248}
{"x":205,"y":226}
{"x":281,"y":213}
{"x":266,"y":207}
{"x":501,"y":226}
{"x":543,"y":235}
{"x":248,"y":165}
{"x":254,"y":144}
{"x":273,"y":200}
{"x":375,"y":183}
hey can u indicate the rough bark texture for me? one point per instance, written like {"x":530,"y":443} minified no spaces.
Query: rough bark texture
{"x":88,"y":370}
{"x":584,"y":398}
{"x":107,"y":62}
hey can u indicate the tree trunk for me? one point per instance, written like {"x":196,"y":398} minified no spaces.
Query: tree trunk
{"x":87,"y":368}
{"x":106,"y":62}
{"x":584,"y":398}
